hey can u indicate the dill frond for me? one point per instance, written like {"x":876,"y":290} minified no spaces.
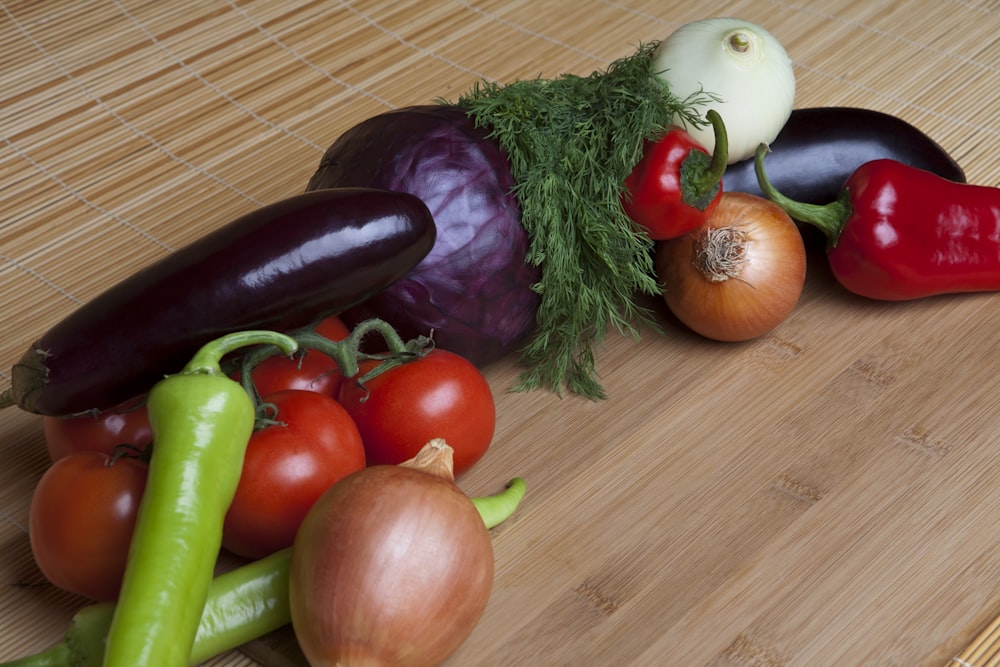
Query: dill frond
{"x":571,"y":142}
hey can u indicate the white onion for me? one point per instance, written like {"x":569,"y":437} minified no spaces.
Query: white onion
{"x":741,"y":64}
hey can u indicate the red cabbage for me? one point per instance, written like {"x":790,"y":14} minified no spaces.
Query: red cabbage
{"x":474,"y":288}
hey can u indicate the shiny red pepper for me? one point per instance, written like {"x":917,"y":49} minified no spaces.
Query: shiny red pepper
{"x":897,"y":232}
{"x":677,"y":184}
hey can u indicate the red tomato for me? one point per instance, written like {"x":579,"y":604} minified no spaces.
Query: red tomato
{"x":312,"y":371}
{"x":81,"y":520}
{"x":126,"y":424}
{"x":288,"y":465}
{"x":440,"y":395}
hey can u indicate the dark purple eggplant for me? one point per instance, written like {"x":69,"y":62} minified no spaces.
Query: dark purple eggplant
{"x":818,"y":148}
{"x":282,"y":266}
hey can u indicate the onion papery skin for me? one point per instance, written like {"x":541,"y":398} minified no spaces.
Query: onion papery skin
{"x":763,"y":288}
{"x":392,"y":567}
{"x":473,"y":290}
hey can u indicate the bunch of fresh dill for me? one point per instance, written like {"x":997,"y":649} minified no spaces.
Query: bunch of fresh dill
{"x":571,"y":142}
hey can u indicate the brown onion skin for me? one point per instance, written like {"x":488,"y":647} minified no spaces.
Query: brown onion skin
{"x":393,"y":566}
{"x":765,"y":287}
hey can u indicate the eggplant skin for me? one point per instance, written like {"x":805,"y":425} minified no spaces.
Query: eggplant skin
{"x":282,"y":266}
{"x":820,"y":147}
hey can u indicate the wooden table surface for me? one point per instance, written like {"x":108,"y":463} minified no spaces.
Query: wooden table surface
{"x":826,"y":495}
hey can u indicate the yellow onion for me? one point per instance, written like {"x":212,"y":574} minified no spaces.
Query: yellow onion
{"x":737,"y":276}
{"x":393,"y":566}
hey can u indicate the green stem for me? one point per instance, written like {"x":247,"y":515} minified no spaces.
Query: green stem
{"x":828,"y":218}
{"x":82,"y":645}
{"x":346,"y":353}
{"x":243,"y":604}
{"x":701,"y":178}
{"x":207,"y":358}
{"x":720,"y":156}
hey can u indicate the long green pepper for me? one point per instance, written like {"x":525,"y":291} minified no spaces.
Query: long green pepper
{"x":201,"y":422}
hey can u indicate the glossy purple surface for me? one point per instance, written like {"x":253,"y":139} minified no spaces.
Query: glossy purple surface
{"x":281,"y":266}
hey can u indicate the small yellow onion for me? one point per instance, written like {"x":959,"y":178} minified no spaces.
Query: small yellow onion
{"x":737,"y":276}
{"x":393,"y":566}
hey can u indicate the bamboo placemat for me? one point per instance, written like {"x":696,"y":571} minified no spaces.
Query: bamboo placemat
{"x":128,"y":129}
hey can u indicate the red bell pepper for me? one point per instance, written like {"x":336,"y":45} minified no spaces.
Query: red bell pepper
{"x":677,"y":184}
{"x":897,"y":232}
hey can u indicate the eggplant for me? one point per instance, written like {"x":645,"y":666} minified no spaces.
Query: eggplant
{"x":282,"y":266}
{"x":820,"y":147}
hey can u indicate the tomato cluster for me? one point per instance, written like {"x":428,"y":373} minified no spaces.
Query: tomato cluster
{"x":323,"y":427}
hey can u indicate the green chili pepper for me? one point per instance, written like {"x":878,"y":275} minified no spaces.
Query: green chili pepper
{"x":243,"y":604}
{"x":201,"y":422}
{"x":497,"y":508}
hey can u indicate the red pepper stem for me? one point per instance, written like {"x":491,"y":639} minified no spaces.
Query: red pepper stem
{"x":701,"y":182}
{"x":720,"y":156}
{"x":828,"y":218}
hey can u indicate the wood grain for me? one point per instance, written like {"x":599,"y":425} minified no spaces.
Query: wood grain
{"x":825,"y":495}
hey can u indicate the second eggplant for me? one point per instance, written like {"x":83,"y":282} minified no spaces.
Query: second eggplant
{"x":820,"y":147}
{"x":281,"y":266}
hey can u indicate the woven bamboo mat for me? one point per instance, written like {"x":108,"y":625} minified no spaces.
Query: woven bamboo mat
{"x":827,"y":495}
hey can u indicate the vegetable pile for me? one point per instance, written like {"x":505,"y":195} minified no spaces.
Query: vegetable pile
{"x":537,"y":244}
{"x":302,"y":386}
{"x":271,"y":478}
{"x":521,"y":217}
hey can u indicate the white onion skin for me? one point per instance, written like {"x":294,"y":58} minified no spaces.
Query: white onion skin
{"x":393,"y":566}
{"x":756,"y":86}
{"x":764,"y":287}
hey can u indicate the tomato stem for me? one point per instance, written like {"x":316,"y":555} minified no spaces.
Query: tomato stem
{"x":347,"y":353}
